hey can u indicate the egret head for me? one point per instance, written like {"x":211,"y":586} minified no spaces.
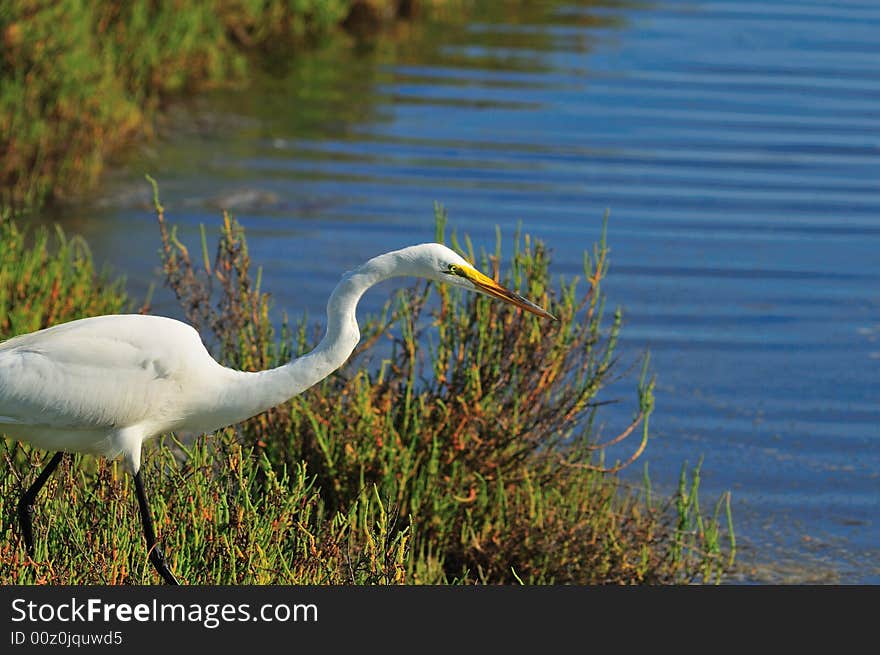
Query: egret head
{"x":439,"y":263}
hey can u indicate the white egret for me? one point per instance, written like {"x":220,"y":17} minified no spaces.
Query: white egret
{"x":104,"y":385}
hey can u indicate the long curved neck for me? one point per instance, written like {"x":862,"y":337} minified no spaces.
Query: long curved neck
{"x":244,"y":395}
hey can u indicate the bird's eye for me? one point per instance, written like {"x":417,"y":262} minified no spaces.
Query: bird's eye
{"x":452,"y":269}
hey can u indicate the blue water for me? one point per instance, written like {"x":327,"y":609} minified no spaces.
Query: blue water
{"x":737,"y":147}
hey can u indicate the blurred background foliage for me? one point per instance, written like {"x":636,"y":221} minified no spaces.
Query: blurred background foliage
{"x":80,"y":79}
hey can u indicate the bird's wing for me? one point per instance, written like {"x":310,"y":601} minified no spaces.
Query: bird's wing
{"x":94,"y":374}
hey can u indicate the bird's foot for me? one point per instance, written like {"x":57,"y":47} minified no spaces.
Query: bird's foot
{"x":157,"y":557}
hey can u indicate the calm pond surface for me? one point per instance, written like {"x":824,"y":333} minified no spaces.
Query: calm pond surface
{"x":737,"y":147}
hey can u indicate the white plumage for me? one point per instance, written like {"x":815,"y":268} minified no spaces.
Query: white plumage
{"x":75,"y":386}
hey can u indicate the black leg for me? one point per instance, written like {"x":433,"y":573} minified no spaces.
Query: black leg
{"x":26,"y":504}
{"x":157,"y":557}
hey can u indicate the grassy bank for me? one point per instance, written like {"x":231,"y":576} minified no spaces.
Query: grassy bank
{"x":79,"y":79}
{"x":457,"y":446}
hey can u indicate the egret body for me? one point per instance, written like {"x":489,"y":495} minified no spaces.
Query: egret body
{"x":104,"y":385}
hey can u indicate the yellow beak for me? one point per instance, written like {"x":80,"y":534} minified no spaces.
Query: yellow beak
{"x":489,"y":286}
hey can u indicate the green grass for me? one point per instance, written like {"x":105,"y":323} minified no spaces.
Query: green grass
{"x":456,"y":446}
{"x":80,"y":79}
{"x":49,"y":278}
